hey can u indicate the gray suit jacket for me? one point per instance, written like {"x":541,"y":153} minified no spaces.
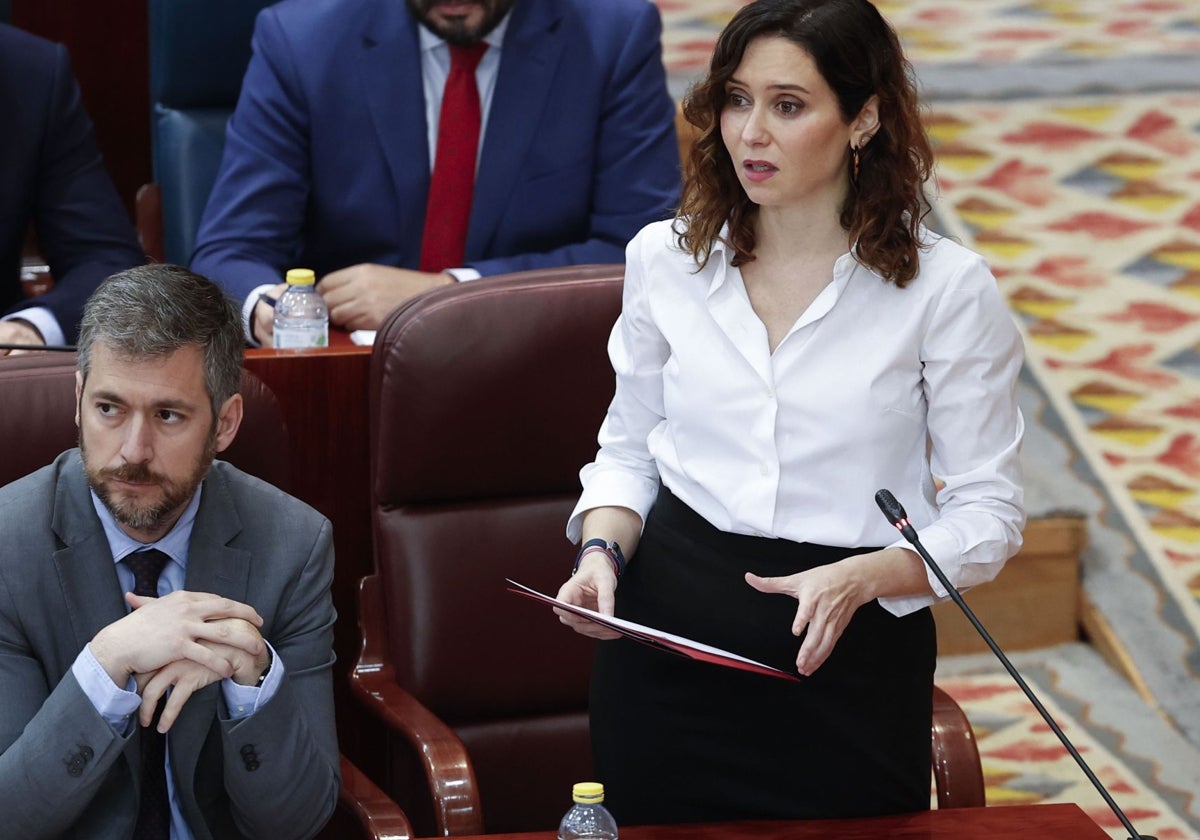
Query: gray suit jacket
{"x":64,"y":772}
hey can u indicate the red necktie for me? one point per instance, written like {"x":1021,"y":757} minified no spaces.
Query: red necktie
{"x":449,"y":208}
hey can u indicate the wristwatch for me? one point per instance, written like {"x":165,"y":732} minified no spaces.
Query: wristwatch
{"x":609,"y":547}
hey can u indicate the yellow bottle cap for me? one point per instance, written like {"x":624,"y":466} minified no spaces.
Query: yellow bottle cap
{"x":301,"y":277}
{"x":588,"y":792}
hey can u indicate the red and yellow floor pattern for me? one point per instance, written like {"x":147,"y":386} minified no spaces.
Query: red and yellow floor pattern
{"x":994,"y":31}
{"x":1024,"y":763}
{"x":1088,"y":211}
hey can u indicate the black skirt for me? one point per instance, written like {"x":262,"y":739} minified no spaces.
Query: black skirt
{"x":682,"y":741}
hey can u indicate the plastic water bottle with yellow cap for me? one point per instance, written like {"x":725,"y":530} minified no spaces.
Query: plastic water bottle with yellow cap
{"x":588,"y":819}
{"x":301,"y":316}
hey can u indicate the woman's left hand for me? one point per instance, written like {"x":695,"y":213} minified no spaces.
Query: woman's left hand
{"x":827,"y":597}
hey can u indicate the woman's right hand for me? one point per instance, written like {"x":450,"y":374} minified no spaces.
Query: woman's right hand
{"x":593,"y":586}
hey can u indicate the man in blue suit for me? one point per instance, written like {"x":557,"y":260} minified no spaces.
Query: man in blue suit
{"x":51,"y":176}
{"x":329,"y":152}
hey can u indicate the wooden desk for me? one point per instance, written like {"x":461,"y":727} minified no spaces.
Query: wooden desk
{"x":323,"y":394}
{"x":962,"y":824}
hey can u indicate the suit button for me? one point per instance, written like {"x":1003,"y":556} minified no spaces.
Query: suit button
{"x":249,"y":757}
{"x":77,"y":761}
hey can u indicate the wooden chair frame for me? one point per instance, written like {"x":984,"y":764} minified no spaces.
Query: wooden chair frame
{"x":368,"y":806}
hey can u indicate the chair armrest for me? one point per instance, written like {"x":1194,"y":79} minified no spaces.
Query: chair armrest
{"x":379,"y":817}
{"x":957,"y":771}
{"x":444,"y":760}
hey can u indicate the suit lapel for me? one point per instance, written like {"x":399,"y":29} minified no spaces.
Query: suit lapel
{"x":391,"y":78}
{"x":84,"y":565}
{"x":213,"y":566}
{"x":532,"y":46}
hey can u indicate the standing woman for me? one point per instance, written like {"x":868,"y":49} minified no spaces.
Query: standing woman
{"x":794,"y":341}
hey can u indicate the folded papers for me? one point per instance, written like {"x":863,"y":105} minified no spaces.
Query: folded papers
{"x":657,"y":638}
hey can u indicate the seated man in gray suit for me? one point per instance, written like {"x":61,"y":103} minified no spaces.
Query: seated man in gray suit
{"x":146,"y":589}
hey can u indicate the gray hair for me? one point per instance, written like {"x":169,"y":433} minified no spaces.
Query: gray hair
{"x":150,"y":311}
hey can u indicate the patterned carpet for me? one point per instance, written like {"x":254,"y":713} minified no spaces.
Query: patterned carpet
{"x":1068,"y":139}
{"x":1141,"y":761}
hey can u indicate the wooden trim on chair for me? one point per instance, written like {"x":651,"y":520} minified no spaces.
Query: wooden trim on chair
{"x":379,"y":816}
{"x":448,"y":769}
{"x":957,"y":771}
{"x":147,"y":210}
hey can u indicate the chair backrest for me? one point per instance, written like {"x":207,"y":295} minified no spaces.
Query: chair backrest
{"x":485,"y":402}
{"x":199,"y":50}
{"x":38,"y":421}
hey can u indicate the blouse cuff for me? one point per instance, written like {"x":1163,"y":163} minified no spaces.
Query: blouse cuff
{"x":940,"y":547}
{"x":610,"y":488}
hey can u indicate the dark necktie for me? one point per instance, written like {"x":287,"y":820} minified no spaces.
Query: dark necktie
{"x":448,"y":210}
{"x":154,"y":809}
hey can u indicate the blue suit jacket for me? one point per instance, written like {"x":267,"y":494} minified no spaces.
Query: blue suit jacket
{"x":51,"y":175}
{"x":327,"y":163}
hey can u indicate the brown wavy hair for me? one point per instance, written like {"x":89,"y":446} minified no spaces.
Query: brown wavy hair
{"x":858,"y":54}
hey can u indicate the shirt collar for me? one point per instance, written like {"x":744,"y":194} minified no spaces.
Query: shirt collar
{"x":174,"y":544}
{"x":494,"y":39}
{"x":844,"y":268}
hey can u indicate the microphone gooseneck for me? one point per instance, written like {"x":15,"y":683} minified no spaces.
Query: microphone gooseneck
{"x":894,"y":511}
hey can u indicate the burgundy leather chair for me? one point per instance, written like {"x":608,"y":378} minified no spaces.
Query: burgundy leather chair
{"x":37,"y":422}
{"x":485,"y":402}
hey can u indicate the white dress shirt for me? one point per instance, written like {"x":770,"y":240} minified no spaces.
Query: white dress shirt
{"x":873,"y":387}
{"x":116,"y":704}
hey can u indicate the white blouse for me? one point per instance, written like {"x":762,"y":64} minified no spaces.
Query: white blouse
{"x":873,"y":387}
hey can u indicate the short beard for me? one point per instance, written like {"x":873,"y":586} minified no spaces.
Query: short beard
{"x":459,"y":33}
{"x":147,"y":517}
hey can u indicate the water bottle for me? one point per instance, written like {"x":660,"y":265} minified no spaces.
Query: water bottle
{"x":588,"y":819}
{"x":301,"y":316}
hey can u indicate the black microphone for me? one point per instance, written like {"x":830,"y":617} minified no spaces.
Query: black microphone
{"x":895,"y":514}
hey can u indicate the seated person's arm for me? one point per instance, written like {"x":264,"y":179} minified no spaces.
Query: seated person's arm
{"x":295,"y":789}
{"x":56,"y":744}
{"x":20,"y":329}
{"x":252,"y":225}
{"x":83,"y":228}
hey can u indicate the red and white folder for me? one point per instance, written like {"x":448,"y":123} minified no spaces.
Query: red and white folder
{"x":657,"y":638}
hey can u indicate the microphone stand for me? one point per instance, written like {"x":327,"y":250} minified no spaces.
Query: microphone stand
{"x":895,"y":514}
